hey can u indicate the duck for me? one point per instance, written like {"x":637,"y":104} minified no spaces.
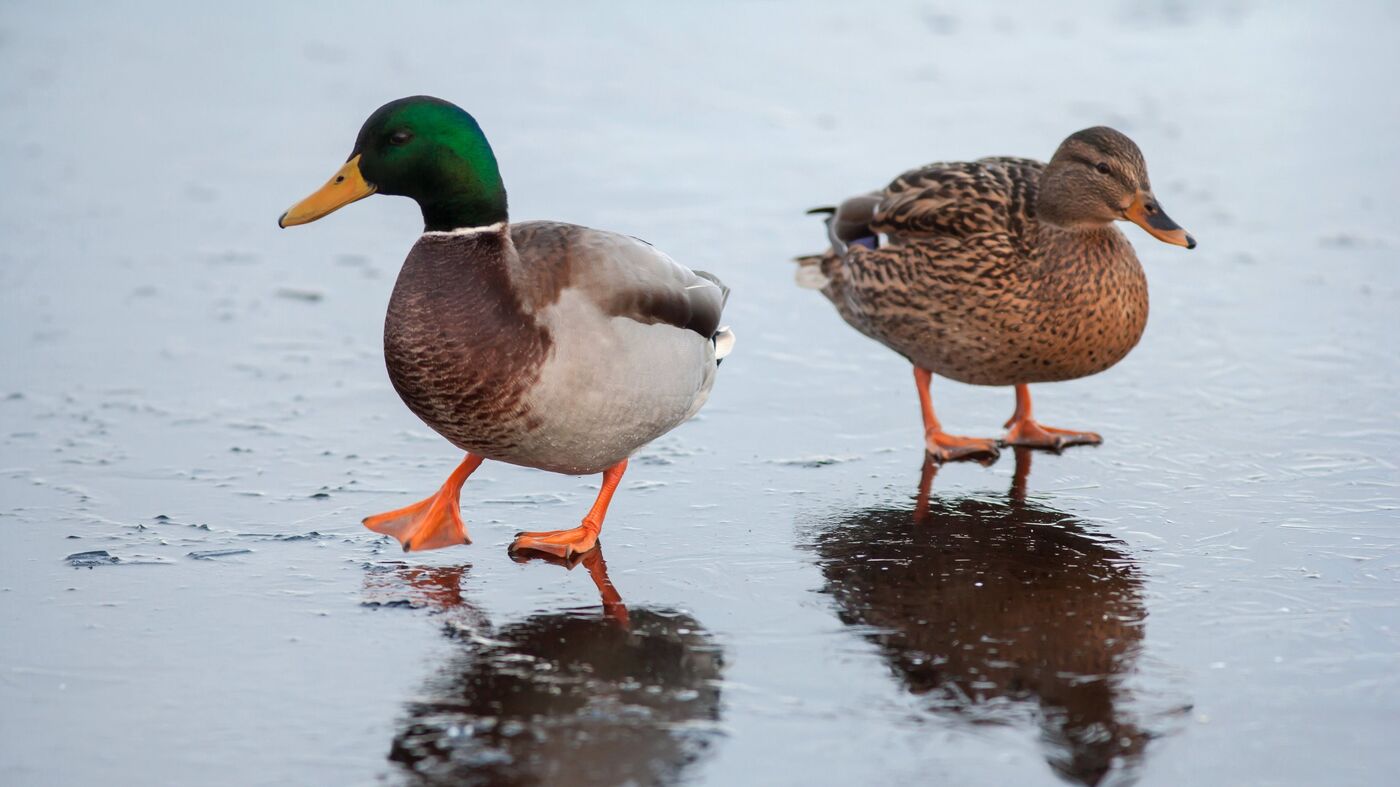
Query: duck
{"x":999,"y":272}
{"x":541,"y":344}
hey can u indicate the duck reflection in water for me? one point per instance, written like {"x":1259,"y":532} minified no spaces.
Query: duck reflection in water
{"x":570,"y":698}
{"x":999,"y":611}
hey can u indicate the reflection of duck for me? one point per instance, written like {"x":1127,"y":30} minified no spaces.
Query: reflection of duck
{"x":559,"y":699}
{"x":988,"y":608}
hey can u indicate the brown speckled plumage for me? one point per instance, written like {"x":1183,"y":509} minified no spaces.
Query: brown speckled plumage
{"x":970,"y":285}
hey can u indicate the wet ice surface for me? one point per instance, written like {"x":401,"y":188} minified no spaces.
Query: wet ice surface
{"x":194,"y":414}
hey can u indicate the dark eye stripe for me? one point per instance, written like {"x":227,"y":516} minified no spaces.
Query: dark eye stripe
{"x":1118,"y":175}
{"x":1085,"y":160}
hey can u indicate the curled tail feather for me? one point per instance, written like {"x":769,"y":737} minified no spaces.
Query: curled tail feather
{"x":723,"y":338}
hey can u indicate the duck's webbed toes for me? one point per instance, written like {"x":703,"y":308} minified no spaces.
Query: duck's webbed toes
{"x":562,"y":544}
{"x":433,"y":523}
{"x":1027,"y":433}
{"x":944,"y":447}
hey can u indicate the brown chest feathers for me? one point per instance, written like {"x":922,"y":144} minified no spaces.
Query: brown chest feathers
{"x":460,"y":348}
{"x":994,"y":309}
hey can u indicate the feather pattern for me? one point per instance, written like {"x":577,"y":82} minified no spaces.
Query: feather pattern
{"x":551,"y":345}
{"x":969,"y":285}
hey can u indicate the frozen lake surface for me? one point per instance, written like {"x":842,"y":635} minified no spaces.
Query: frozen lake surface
{"x":193,"y":406}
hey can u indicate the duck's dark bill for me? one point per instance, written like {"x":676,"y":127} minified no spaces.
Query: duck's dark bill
{"x":1157,"y":223}
{"x":344,"y":188}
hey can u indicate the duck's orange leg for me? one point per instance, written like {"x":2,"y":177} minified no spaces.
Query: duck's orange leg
{"x":575,"y":540}
{"x":941,"y":446}
{"x":432,"y":523}
{"x":1024,"y":431}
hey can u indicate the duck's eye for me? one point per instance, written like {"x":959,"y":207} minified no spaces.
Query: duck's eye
{"x":400,"y":137}
{"x":1102,"y":168}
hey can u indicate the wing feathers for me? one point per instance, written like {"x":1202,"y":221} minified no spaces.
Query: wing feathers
{"x":623,"y":276}
{"x":959,"y":199}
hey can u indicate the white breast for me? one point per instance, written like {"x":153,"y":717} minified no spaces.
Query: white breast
{"x":610,"y":386}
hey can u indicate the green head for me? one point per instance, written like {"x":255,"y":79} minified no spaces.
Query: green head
{"x":420,"y":147}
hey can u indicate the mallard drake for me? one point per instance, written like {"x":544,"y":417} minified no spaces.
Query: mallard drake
{"x":1000,"y":271}
{"x":541,"y":344}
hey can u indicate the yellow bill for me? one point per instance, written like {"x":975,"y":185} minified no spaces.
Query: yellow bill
{"x":347,"y":186}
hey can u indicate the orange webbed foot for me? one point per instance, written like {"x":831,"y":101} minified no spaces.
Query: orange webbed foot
{"x":576,"y":540}
{"x":1027,"y":433}
{"x":433,"y":523}
{"x":428,"y":524}
{"x":940,"y":446}
{"x":944,"y":447}
{"x":563,"y":544}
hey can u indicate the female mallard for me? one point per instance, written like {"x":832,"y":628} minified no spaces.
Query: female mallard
{"x":1000,"y":271}
{"x":541,"y":344}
